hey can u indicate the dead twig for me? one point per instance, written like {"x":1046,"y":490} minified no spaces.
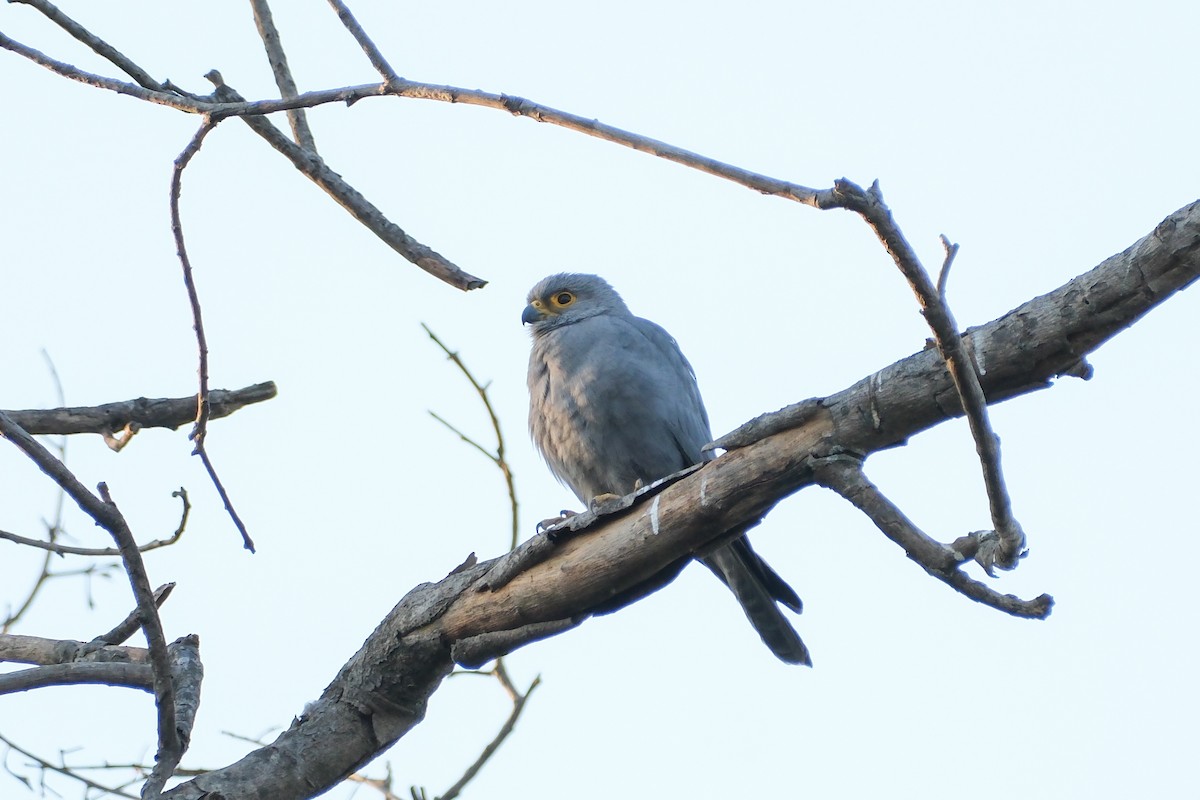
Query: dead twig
{"x":1010,"y":541}
{"x":498,"y":457}
{"x":53,"y":528}
{"x":133,"y":622}
{"x":54,"y":547}
{"x":518,"y":701}
{"x":944,"y":272}
{"x":315,"y":169}
{"x":227,"y":106}
{"x":47,"y":766}
{"x":203,"y":409}
{"x":843,"y":474}
{"x":104,"y":511}
{"x":518,"y":698}
{"x":265,"y":23}
{"x":133,"y":676}
{"x":98,"y":45}
{"x":137,"y":414}
{"x":374,"y":55}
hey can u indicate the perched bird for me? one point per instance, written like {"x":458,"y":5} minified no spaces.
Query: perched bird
{"x":614,"y":405}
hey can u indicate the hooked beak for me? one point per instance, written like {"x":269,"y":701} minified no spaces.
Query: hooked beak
{"x":531,"y":314}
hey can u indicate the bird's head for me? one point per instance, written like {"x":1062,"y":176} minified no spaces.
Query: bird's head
{"x":570,"y":297}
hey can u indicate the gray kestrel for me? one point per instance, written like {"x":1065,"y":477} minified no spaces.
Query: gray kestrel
{"x":614,"y":405}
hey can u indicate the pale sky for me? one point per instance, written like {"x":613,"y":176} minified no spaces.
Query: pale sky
{"x":1042,"y":137}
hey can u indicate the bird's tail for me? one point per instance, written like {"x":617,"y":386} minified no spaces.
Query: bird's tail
{"x":759,"y":589}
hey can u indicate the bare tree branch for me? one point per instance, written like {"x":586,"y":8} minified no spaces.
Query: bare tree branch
{"x":133,"y":676}
{"x":349,"y":198}
{"x":307,"y":161}
{"x":108,"y":516}
{"x":265,"y":23}
{"x":203,"y":410}
{"x":843,"y":474}
{"x":133,"y":622}
{"x":944,"y":272}
{"x":381,"y":65}
{"x":381,"y":692}
{"x":65,"y":770}
{"x":51,"y":546}
{"x":518,"y":106}
{"x":137,"y":414}
{"x":62,"y":662}
{"x":518,"y":701}
{"x":20,"y":649}
{"x":98,"y":45}
{"x":498,"y":458}
{"x":869,"y":204}
{"x":170,"y":743}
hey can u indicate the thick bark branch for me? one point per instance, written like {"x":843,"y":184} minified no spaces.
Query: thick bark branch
{"x":133,"y":676}
{"x":382,"y":691}
{"x":136,"y":414}
{"x":21,"y":649}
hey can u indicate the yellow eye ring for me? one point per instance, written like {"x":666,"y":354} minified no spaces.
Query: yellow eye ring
{"x":563,"y":299}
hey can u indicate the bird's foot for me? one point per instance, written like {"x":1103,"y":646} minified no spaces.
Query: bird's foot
{"x":550,"y":522}
{"x":605,"y":503}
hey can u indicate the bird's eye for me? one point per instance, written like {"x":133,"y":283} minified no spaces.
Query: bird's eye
{"x":563,"y":299}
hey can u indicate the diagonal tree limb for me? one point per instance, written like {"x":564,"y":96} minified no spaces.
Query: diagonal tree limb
{"x":305,"y":160}
{"x":108,"y":516}
{"x":377,"y":59}
{"x":843,"y":474}
{"x":382,"y":691}
{"x":349,"y":198}
{"x":265,"y":22}
{"x":1006,"y":548}
{"x":97,"y":45}
{"x":133,"y":622}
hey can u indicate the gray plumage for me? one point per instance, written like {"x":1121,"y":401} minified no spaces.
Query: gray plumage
{"x":614,"y":403}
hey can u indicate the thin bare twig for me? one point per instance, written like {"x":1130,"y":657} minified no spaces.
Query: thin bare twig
{"x":202,"y":403}
{"x":349,"y":198}
{"x":265,"y":23}
{"x":944,"y":272}
{"x":108,"y":516}
{"x":133,"y":622}
{"x":500,"y":673}
{"x":498,"y":457}
{"x":381,"y":65}
{"x":203,"y":408}
{"x":65,"y":770}
{"x":1010,"y":544}
{"x":518,"y":106}
{"x":98,"y":45}
{"x":382,"y":785}
{"x":843,"y":474}
{"x":44,"y":574}
{"x":51,"y":546}
{"x":170,"y":745}
{"x":518,"y":701}
{"x":53,"y":528}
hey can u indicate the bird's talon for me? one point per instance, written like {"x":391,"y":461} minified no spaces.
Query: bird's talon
{"x":550,"y":522}
{"x":604,"y":503}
